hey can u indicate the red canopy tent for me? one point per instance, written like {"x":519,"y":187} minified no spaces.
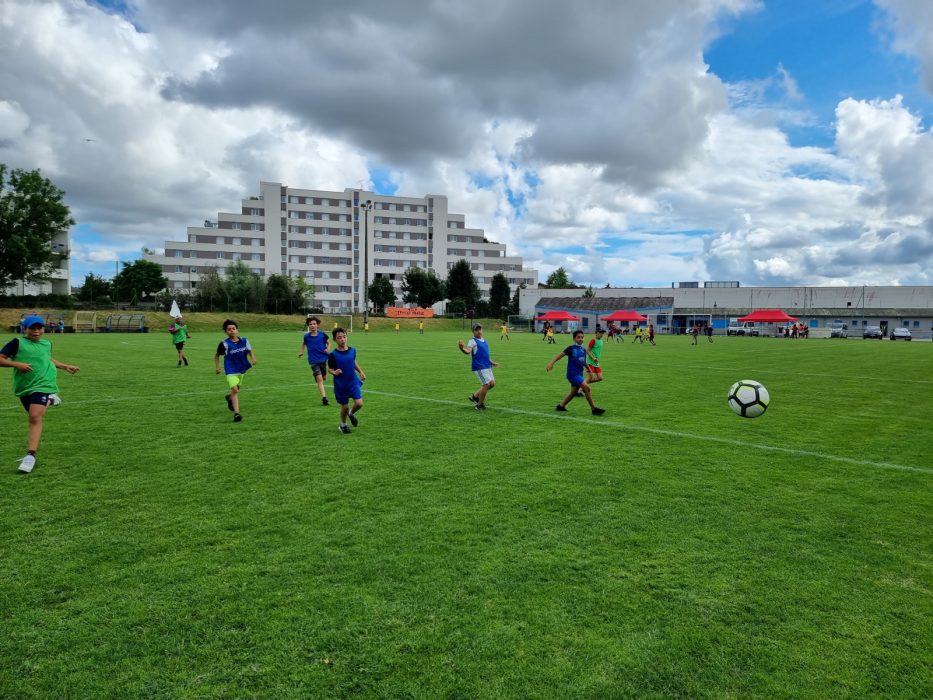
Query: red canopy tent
{"x":625,"y":316}
{"x":557,"y":316}
{"x":768,"y":316}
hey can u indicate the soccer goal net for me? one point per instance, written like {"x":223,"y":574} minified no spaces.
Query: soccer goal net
{"x":520,"y":324}
{"x":331,"y":321}
{"x":85,"y":321}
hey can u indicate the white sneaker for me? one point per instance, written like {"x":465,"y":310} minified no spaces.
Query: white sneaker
{"x":27,"y":463}
{"x":55,"y":400}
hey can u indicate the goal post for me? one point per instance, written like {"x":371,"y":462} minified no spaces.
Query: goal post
{"x":520,"y":324}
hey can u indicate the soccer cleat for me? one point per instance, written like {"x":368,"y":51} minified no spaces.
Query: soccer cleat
{"x":473,"y":398}
{"x":354,"y":421}
{"x":237,"y":417}
{"x":179,"y":363}
{"x":598,"y":411}
{"x":55,"y":400}
{"x":345,"y":429}
{"x":480,"y":407}
{"x":186,"y":362}
{"x":27,"y":463}
{"x":324,"y":401}
{"x":562,"y":409}
{"x":229,"y":402}
{"x":580,"y":392}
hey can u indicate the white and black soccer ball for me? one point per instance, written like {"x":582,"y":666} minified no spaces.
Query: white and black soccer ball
{"x":748,"y":398}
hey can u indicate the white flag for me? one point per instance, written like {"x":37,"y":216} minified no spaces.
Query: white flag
{"x":175,"y":312}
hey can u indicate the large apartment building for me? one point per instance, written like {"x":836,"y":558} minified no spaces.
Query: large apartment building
{"x":59,"y":281}
{"x":333,"y":240}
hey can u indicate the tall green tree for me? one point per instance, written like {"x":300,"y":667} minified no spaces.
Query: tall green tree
{"x":461,"y":284}
{"x":32,"y":214}
{"x":515,"y":304}
{"x":559,"y":279}
{"x":381,"y":292}
{"x":244,"y":287}
{"x":138,"y":280}
{"x":95,"y":288}
{"x":499,"y":293}
{"x":422,"y":287}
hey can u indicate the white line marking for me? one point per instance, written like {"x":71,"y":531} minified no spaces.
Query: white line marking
{"x":674,"y":433}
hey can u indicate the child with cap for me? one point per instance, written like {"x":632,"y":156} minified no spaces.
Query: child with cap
{"x":35,"y":380}
{"x":180,"y":334}
{"x":481,"y":364}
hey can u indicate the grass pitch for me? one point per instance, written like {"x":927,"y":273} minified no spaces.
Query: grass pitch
{"x":667,"y":548}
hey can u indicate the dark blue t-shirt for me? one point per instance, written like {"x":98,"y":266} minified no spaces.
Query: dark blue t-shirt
{"x":576,"y":358}
{"x":347,"y":381}
{"x":317,"y":347}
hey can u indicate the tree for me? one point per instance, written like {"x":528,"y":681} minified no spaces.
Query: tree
{"x":461,"y":284}
{"x":32,"y":214}
{"x":139,"y":279}
{"x":499,"y":294}
{"x":422,"y":287}
{"x":381,"y":292}
{"x":244,"y":286}
{"x":589,"y":293}
{"x":210,"y":289}
{"x":559,"y":280}
{"x":286,"y":294}
{"x":95,"y":288}
{"x":515,"y":304}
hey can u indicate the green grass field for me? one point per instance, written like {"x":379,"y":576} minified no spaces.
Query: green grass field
{"x":667,"y":548}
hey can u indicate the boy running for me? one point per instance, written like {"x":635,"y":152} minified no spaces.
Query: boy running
{"x":342,"y":364}
{"x":180,"y":334}
{"x":576,"y":358}
{"x":594,"y":373}
{"x":481,"y":364}
{"x":234,"y":350}
{"x":35,"y":380}
{"x":318,"y":345}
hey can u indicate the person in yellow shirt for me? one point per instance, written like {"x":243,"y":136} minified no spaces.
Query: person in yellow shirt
{"x":638,"y":335}
{"x":420,"y":327}
{"x":504,"y":331}
{"x":396,"y":326}
{"x":550,"y":335}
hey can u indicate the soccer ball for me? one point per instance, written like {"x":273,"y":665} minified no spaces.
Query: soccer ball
{"x":748,"y":398}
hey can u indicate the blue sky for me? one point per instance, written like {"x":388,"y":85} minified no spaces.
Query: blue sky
{"x":633,"y":143}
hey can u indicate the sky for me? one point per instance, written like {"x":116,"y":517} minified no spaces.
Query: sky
{"x":773,"y":143}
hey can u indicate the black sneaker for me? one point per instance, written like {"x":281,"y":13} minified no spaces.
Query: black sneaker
{"x":324,"y":401}
{"x":229,"y":402}
{"x":562,"y":409}
{"x":237,"y":417}
{"x":473,"y":398}
{"x":179,"y":363}
{"x":186,"y":362}
{"x":480,"y":407}
{"x":345,"y":429}
{"x":354,"y":421}
{"x":598,"y":411}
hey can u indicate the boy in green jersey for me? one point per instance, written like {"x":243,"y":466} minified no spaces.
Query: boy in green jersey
{"x":594,"y":373}
{"x":35,"y":379}
{"x":180,"y":334}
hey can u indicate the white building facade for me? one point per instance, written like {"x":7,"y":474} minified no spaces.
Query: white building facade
{"x":333,"y":241}
{"x":60,"y":278}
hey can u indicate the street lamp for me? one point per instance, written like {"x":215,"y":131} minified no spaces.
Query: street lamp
{"x":366,"y":208}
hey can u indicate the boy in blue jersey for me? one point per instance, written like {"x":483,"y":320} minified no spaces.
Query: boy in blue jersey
{"x":35,"y":379}
{"x":318,"y":345}
{"x":238,"y":359}
{"x":481,"y":364}
{"x":342,"y":364}
{"x":576,"y":361}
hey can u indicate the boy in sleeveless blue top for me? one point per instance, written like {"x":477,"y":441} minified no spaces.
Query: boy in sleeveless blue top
{"x":348,"y":379}
{"x":481,"y":364}
{"x":318,"y":345}
{"x":576,"y":356}
{"x":238,"y":359}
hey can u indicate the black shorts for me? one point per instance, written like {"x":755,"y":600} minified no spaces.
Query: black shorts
{"x":319,"y":369}
{"x":179,"y":346}
{"x":35,"y":399}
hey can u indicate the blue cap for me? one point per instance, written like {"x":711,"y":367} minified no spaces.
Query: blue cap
{"x":33,"y":320}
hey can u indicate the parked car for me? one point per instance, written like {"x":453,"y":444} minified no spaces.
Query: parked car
{"x":839,"y":330}
{"x":900,"y":334}
{"x":872,"y":332}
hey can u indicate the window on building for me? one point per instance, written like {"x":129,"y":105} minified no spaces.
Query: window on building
{"x":235,"y":226}
{"x":254,"y":227}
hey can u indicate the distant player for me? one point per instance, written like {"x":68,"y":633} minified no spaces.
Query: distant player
{"x":549,"y":334}
{"x":504,"y":331}
{"x":348,"y":379}
{"x":35,"y":380}
{"x":420,"y":327}
{"x":638,"y":335}
{"x":238,"y":359}
{"x":651,"y":334}
{"x":180,"y":335}
{"x":709,"y":333}
{"x":576,"y":356}
{"x":694,"y":334}
{"x":481,"y":364}
{"x":594,"y":373}
{"x":318,"y":345}
{"x":396,"y":327}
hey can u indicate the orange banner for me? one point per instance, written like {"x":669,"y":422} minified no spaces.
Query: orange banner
{"x":399,"y":312}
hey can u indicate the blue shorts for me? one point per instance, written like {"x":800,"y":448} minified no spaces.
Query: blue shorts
{"x":576,"y":380}
{"x":354,"y":392}
{"x":35,"y":400}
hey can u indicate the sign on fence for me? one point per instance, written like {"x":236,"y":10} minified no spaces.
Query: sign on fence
{"x":399,"y":312}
